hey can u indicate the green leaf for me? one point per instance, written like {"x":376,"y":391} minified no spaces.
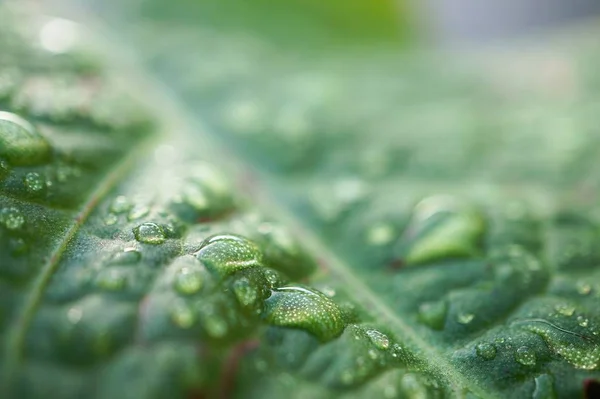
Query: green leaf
{"x":339,"y":225}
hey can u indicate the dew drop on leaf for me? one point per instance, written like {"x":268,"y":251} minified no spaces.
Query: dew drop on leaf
{"x":33,"y":182}
{"x":138,"y":211}
{"x":214,"y":325}
{"x":565,"y":309}
{"x":120,"y":204}
{"x":465,"y":318}
{"x":149,"y":233}
{"x":111,"y":280}
{"x":245,"y":293}
{"x":228,"y":253}
{"x":12,"y":218}
{"x":20,"y":143}
{"x":307,"y":309}
{"x":486,"y":351}
{"x":380,"y":340}
{"x":111,"y":219}
{"x":525,"y":356}
{"x":188,"y":281}
{"x":433,"y":314}
{"x":182,"y":315}
{"x":128,"y":256}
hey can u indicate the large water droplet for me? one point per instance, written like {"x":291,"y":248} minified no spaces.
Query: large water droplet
{"x":380,"y":340}
{"x":33,"y":182}
{"x":227,"y":253}
{"x":433,"y":314}
{"x":441,"y":228}
{"x":486,"y":351}
{"x":149,"y":233}
{"x":307,"y":309}
{"x":526,"y":356}
{"x":20,"y":143}
{"x":12,"y":218}
{"x":188,"y":281}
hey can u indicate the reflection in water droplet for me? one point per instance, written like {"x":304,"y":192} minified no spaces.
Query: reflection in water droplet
{"x":380,"y":340}
{"x":486,"y":351}
{"x":149,"y":233}
{"x":188,"y":281}
{"x":525,"y":356}
{"x":33,"y":182}
{"x":182,"y":315}
{"x":304,"y":308}
{"x":12,"y":218}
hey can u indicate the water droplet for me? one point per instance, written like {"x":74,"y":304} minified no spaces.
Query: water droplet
{"x":433,"y":314}
{"x":128,"y":256}
{"x":120,"y":204}
{"x":273,"y":278}
{"x":188,"y":281}
{"x":18,"y":246}
{"x":12,"y":218}
{"x":20,"y":143}
{"x":149,"y":233}
{"x":111,"y":280}
{"x":544,"y":387}
{"x":182,"y":315}
{"x":441,"y":228}
{"x":227,"y":253}
{"x":583,"y":288}
{"x":214,"y":325}
{"x":33,"y":182}
{"x":138,"y":211}
{"x":380,"y":234}
{"x":465,"y":318}
{"x":307,"y":309}
{"x":486,"y":351}
{"x":582,"y":321}
{"x":111,"y":219}
{"x":380,"y":340}
{"x":565,"y":309}
{"x":74,"y":314}
{"x":245,"y":293}
{"x":525,"y":356}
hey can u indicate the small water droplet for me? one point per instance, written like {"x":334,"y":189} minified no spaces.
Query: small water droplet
{"x":20,"y":143}
{"x":583,"y":288}
{"x":111,"y":219}
{"x":120,"y":204}
{"x":128,"y":256}
{"x":245,"y":293}
{"x":433,"y":314}
{"x":565,"y":309}
{"x":465,"y":318}
{"x":525,"y":356}
{"x":582,"y":321}
{"x":74,"y":314}
{"x":380,"y":340}
{"x":149,"y":233}
{"x":227,"y":253}
{"x":215,"y":326}
{"x":138,"y":211}
{"x":33,"y":182}
{"x":182,"y":315}
{"x":380,"y":234}
{"x":111,"y":280}
{"x":486,"y":351}
{"x":188,"y":281}
{"x":12,"y":218}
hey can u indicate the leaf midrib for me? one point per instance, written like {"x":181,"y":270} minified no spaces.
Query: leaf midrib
{"x":157,"y":94}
